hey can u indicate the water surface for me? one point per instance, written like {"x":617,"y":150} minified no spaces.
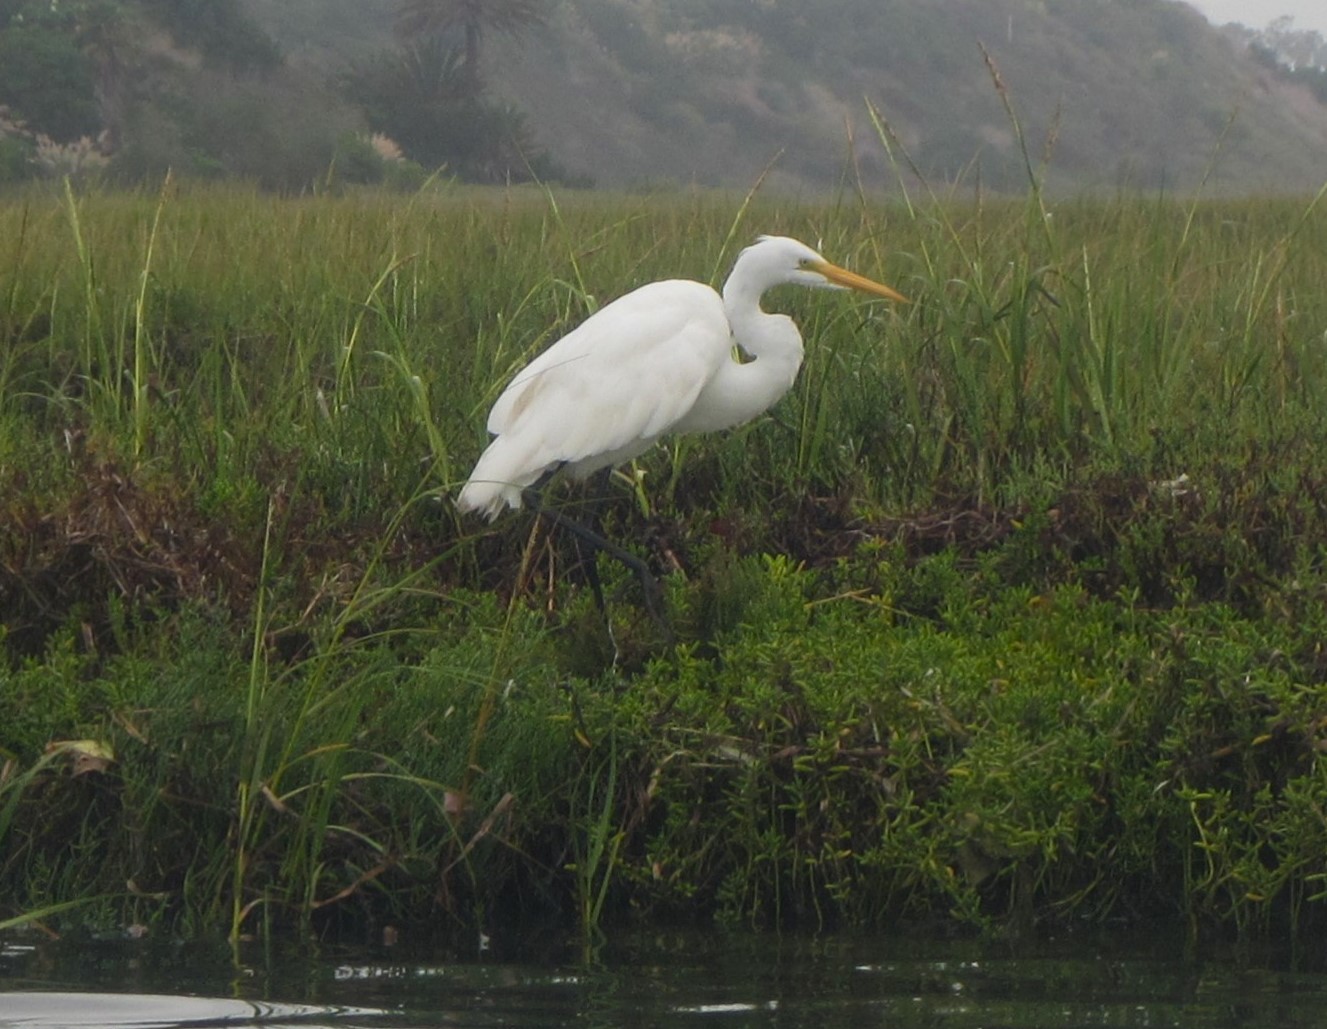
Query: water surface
{"x":1133,"y":978}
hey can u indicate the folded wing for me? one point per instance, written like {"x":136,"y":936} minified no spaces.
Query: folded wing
{"x":604,"y":392}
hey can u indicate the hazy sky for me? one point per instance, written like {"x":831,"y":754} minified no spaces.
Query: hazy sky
{"x":1308,"y":14}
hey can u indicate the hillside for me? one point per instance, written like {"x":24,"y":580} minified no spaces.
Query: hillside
{"x":1142,"y":93}
{"x":1139,"y":93}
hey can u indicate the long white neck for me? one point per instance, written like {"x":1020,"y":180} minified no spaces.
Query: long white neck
{"x":742,"y":390}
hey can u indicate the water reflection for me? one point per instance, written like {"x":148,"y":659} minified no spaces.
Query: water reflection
{"x":661,"y":979}
{"x":140,"y":1011}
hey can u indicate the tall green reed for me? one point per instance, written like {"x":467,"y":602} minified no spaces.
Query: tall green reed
{"x":348,"y":342}
{"x":1084,"y":330}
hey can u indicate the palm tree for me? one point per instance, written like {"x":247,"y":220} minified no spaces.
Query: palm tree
{"x":472,"y":18}
{"x":108,"y":41}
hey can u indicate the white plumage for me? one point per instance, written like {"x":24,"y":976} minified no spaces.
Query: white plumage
{"x":658,"y":360}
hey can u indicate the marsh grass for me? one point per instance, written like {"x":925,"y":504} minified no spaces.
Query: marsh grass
{"x":1011,"y":609}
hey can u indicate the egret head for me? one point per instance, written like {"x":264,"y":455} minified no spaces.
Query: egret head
{"x":780,"y":259}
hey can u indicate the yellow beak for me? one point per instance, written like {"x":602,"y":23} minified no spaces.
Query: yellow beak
{"x":851,"y":280}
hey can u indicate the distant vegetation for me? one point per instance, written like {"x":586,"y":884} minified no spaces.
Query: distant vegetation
{"x":126,"y":90}
{"x":1295,"y":49}
{"x":295,"y":93}
{"x":123,"y":90}
{"x":1296,"y":56}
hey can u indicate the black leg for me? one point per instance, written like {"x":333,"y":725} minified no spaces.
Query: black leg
{"x":588,"y":557}
{"x":654,"y":600}
{"x":589,"y":553}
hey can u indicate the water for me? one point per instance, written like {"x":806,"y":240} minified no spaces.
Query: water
{"x":667,"y":979}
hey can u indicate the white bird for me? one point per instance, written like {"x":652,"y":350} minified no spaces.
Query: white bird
{"x":658,"y":360}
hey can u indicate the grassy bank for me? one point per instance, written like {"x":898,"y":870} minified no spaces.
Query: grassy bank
{"x":1012,"y":610}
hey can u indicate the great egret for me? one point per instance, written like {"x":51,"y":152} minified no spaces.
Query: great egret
{"x":658,"y":360}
